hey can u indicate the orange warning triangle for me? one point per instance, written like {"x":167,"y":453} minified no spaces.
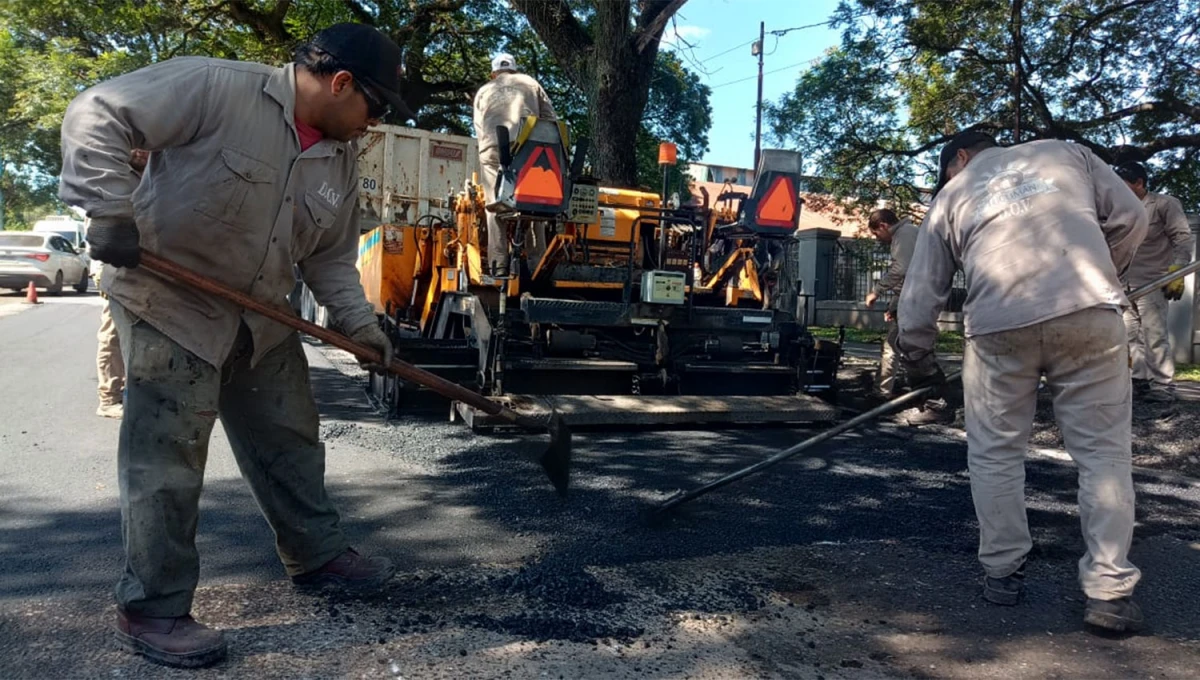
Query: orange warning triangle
{"x":778,"y":207}
{"x":540,"y":179}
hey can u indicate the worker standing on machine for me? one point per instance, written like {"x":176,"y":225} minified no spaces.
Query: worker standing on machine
{"x":901,"y":235}
{"x":252,"y":170}
{"x":507,"y":99}
{"x":1168,"y":246}
{"x":1042,"y":231}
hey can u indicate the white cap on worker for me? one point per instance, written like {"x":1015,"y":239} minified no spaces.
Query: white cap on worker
{"x":504,"y":62}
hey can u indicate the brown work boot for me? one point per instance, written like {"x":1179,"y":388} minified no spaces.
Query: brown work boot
{"x":172,"y":641}
{"x":116,"y":410}
{"x":349,"y":570}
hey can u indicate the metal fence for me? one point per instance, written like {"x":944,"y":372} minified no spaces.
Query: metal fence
{"x":860,"y":263}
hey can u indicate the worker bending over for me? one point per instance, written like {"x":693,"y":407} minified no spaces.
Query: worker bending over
{"x":1041,"y":231}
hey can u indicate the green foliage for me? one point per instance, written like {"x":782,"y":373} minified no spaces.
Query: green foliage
{"x":50,"y":50}
{"x":1116,"y":75}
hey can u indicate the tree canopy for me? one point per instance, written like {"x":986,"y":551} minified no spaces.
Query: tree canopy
{"x":1119,"y":76}
{"x":52,"y":49}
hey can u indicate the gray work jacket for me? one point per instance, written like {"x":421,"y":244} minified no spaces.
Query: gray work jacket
{"x":903,"y":244}
{"x":1168,"y":241}
{"x":1039,"y":229}
{"x":507,"y":100}
{"x":227,"y":193}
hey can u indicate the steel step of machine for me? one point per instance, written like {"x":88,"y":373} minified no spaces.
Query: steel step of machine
{"x":642,"y":411}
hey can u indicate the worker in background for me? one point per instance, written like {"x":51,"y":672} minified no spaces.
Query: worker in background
{"x":901,"y":235}
{"x":262,"y":175}
{"x":1042,"y":231}
{"x":507,"y":99}
{"x":1168,"y":246}
{"x":110,"y":368}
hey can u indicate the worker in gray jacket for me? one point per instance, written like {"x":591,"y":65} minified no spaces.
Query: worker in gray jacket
{"x":1041,"y":231}
{"x":252,"y":170}
{"x":505,"y":100}
{"x":901,"y":235}
{"x":1168,"y":246}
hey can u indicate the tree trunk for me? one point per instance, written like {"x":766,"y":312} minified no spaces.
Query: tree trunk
{"x":615,"y":118}
{"x":620,"y":85}
{"x":613,"y":66}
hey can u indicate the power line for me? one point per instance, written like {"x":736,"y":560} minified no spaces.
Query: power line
{"x":742,"y":80}
{"x":785,"y":31}
{"x":721,"y":54}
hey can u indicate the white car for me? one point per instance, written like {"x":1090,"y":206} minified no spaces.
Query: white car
{"x":46,"y":259}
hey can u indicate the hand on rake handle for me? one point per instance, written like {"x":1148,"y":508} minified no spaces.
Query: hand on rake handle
{"x":114,"y":241}
{"x":373,"y":336}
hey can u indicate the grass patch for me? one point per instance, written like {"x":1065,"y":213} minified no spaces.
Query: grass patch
{"x":948,"y":342}
{"x":1187,"y":372}
{"x":852,"y":334}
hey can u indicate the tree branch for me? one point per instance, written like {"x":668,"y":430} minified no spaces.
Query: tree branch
{"x":653,"y":19}
{"x":557,"y":27}
{"x":267,"y":26}
{"x":360,"y":13}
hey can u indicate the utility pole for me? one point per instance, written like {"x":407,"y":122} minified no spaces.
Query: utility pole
{"x":757,"y":49}
{"x":1016,"y":57}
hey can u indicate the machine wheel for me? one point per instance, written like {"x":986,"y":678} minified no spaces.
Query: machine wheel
{"x":82,"y":286}
{"x":56,"y":288}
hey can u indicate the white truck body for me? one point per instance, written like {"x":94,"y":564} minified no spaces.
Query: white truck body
{"x":406,"y":173}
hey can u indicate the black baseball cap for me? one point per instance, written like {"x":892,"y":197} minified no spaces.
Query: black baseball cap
{"x":371,"y":56}
{"x":963,"y":140}
{"x":1132,"y":172}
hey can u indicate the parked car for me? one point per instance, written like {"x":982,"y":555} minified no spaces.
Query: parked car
{"x":73,"y":230}
{"x":46,"y":259}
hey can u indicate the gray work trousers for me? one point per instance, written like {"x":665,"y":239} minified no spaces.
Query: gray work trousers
{"x":110,"y":367}
{"x":888,"y":358}
{"x":1149,"y":344}
{"x":1084,"y":359}
{"x":172,"y":400}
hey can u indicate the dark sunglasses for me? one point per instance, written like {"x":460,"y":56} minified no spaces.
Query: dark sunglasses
{"x":376,"y":107}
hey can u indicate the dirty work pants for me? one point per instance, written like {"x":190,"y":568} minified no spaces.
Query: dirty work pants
{"x":110,"y":367}
{"x":1149,"y":344}
{"x":887,"y":358}
{"x":172,"y":400}
{"x":497,"y":240}
{"x":1084,"y":358}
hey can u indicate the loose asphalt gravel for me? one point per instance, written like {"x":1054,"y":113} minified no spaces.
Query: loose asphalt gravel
{"x":854,"y":561}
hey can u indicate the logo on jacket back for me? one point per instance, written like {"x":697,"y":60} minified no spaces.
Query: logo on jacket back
{"x":1009,"y":193}
{"x":326,"y":192}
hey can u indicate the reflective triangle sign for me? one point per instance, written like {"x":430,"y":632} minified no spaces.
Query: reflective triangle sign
{"x":778,"y":207}
{"x":540,"y":180}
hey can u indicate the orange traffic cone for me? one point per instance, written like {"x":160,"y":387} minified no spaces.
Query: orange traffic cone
{"x":31,"y":295}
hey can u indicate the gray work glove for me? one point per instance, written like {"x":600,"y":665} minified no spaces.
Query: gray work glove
{"x":373,"y":336}
{"x":114,"y":240}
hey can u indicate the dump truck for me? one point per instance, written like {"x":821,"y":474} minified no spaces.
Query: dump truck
{"x":615,"y":307}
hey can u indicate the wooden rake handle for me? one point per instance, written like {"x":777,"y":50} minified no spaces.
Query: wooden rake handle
{"x":400,"y":368}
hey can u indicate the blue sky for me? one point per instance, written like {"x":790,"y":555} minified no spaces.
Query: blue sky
{"x":714,"y":27}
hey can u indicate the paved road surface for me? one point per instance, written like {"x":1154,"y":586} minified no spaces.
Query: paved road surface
{"x":877,"y":524}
